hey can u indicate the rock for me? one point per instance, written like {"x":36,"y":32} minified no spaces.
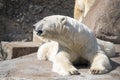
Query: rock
{"x":1,"y":5}
{"x":117,"y":47}
{"x":20,"y":15}
{"x":1,"y":52}
{"x":29,"y":68}
{"x":17,"y":49}
{"x":12,"y":31}
{"x":104,"y":19}
{"x":2,"y":29}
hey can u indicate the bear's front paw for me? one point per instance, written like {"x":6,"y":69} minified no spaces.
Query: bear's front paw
{"x":68,"y":71}
{"x":73,"y":72}
{"x":41,"y":57}
{"x":98,"y":70}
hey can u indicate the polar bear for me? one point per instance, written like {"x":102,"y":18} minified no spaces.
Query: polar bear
{"x":72,"y":42}
{"x":81,"y":8}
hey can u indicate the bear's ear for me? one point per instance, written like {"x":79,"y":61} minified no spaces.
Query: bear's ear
{"x":63,"y":20}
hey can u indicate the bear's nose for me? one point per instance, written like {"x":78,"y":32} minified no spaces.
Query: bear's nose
{"x":39,"y":32}
{"x":33,"y":27}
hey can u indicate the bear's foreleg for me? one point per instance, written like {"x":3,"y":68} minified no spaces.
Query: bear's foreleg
{"x":47,"y":51}
{"x":62,"y":64}
{"x":42,"y":52}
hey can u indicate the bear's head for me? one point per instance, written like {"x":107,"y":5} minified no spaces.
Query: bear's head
{"x":53,"y":27}
{"x":65,"y":30}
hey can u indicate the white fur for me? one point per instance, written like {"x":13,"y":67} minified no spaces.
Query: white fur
{"x":108,"y":47}
{"x":47,"y":51}
{"x":74,"y":40}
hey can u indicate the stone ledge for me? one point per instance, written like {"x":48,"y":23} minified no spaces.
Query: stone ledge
{"x":17,"y":49}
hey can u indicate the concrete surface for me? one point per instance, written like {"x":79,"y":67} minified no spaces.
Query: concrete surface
{"x":17,"y":49}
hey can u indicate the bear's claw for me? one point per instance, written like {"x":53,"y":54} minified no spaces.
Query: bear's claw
{"x":74,"y":72}
{"x":98,"y":71}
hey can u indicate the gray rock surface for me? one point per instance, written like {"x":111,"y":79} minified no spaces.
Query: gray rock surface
{"x":10,"y":30}
{"x":18,"y":16}
{"x":104,"y":19}
{"x":29,"y":68}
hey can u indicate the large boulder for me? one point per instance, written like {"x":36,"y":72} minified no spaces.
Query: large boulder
{"x":104,"y":19}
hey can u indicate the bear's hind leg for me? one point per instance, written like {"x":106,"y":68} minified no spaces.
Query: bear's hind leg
{"x":63,"y":66}
{"x":100,"y":64}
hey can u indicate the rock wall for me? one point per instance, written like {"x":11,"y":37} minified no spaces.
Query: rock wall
{"x":18,"y":16}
